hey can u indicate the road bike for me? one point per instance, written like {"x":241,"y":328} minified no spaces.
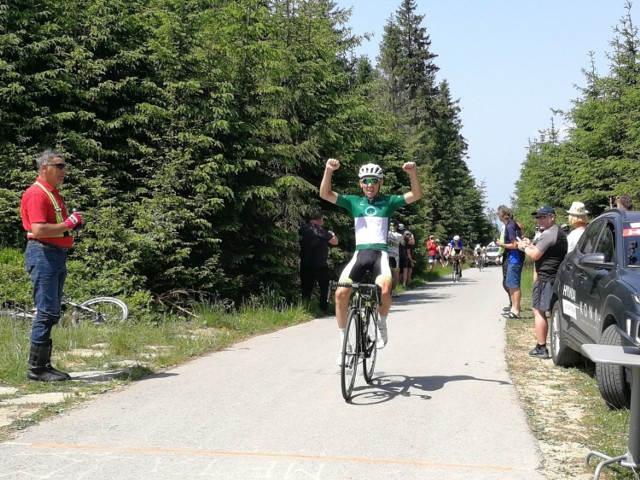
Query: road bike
{"x":361,"y":334}
{"x":479,"y":261}
{"x":456,"y":269}
{"x":98,"y":310}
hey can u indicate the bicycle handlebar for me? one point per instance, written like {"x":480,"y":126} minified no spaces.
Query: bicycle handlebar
{"x":355,"y":285}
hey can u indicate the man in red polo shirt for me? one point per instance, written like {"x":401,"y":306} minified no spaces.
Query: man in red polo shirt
{"x":48,"y":226}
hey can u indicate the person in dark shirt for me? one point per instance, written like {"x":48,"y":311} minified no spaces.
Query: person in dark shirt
{"x":314,"y":254}
{"x":547,"y":254}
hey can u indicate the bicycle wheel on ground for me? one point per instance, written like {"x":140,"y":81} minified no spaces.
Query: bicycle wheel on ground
{"x":349,"y":366}
{"x":454,"y":272}
{"x":100,"y":310}
{"x":370,"y":345}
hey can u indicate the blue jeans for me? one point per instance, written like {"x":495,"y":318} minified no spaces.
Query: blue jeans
{"x":47,"y":267}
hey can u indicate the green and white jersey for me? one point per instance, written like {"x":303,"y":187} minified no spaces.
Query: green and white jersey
{"x":371,"y":218}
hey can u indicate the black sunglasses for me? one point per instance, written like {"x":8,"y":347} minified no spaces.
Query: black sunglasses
{"x":59,"y":166}
{"x":540,"y":217}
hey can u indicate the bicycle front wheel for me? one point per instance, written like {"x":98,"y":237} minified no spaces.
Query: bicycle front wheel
{"x":454,"y":273}
{"x":349,"y":366}
{"x":370,"y":345}
{"x":100,"y":310}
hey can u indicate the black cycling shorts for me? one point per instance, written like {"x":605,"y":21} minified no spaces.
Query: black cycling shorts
{"x":375,"y":261}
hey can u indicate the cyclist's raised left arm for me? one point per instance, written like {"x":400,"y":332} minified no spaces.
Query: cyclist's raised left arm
{"x":416,"y":189}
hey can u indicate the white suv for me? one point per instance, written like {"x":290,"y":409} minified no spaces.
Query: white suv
{"x":492,"y":255}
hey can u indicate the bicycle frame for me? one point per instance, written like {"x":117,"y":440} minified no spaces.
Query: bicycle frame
{"x":360,"y":336}
{"x":455,"y":267}
{"x":365,"y":300}
{"x":87,"y":308}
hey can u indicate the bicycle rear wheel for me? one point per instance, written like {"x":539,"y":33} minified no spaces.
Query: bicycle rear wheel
{"x":350,"y":353}
{"x":370,"y":345}
{"x":100,"y":310}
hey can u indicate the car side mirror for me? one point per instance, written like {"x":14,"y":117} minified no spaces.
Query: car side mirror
{"x":596,"y":261}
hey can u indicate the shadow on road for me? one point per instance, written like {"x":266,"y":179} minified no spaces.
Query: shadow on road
{"x":106,"y":376}
{"x":389,"y":387}
{"x":427,"y":293}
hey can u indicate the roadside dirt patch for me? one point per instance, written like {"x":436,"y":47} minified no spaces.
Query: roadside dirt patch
{"x":553,"y":409}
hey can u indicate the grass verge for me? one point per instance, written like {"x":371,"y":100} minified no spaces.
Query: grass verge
{"x":123,"y":353}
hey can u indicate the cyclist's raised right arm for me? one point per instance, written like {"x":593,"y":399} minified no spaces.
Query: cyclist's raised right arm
{"x":326,"y":192}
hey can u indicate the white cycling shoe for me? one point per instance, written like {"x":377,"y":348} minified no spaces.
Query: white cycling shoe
{"x":383,"y":336}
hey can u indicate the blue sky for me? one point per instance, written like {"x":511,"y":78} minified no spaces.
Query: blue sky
{"x":508,"y":62}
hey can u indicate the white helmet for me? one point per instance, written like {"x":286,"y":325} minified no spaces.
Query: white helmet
{"x":370,"y":170}
{"x":456,"y":238}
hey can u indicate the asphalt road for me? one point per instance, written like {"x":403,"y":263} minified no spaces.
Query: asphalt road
{"x":441,"y":407}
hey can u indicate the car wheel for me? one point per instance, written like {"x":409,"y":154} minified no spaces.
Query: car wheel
{"x":561,"y":354}
{"x":612,"y":382}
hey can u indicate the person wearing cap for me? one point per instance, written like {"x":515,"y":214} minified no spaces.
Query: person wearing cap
{"x":547,"y":255}
{"x":49,"y":227}
{"x":432,"y":251}
{"x":314,"y":254}
{"x":578,"y":220}
{"x":371,"y":213}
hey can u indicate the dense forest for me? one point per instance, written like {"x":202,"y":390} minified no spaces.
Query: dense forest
{"x":197,"y":131}
{"x":597,"y":155}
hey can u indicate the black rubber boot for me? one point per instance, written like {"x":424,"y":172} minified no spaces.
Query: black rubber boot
{"x":50,"y":367}
{"x":40,"y":369}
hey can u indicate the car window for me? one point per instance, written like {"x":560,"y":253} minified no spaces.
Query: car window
{"x":630,"y":244}
{"x":589,"y":239}
{"x":606,"y":243}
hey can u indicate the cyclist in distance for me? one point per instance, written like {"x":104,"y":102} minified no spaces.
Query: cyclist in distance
{"x":371,"y":214}
{"x":455,"y":248}
{"x":477,"y":254}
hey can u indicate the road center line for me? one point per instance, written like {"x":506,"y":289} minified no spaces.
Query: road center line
{"x":222,"y":453}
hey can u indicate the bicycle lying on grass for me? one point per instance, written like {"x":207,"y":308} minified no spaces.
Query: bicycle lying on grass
{"x":361,"y":334}
{"x":98,"y":310}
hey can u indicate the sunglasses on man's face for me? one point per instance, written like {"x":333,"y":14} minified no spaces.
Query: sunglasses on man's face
{"x":370,"y":181}
{"x":540,"y":217}
{"x":59,"y":166}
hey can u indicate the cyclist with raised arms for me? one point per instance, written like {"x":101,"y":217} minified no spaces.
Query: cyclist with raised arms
{"x":371,"y":214}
